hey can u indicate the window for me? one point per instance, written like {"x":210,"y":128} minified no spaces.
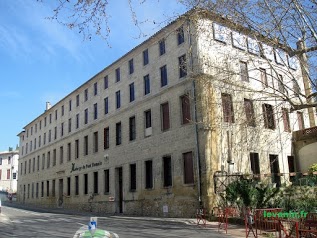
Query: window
{"x":180,"y":35}
{"x":95,"y":88}
{"x":8,"y":173}
{"x":148,"y":174}
{"x":244,"y":71}
{"x":188,"y":168}
{"x":86,"y":145}
{"x":96,"y":141}
{"x":286,"y":122}
{"x":167,"y":171}
{"x":0,"y":161}
{"x":44,"y":138}
{"x":263,"y":77}
{"x":145,"y":57}
{"x":68,"y":186}
{"x":49,"y":136}
{"x":162,"y":46}
{"x":61,"y":154}
{"x":280,"y":83}
{"x":76,"y":185}
{"x":43,"y":161}
{"x":227,"y":107}
{"x":221,"y":33}
{"x":86,"y":94}
{"x":118,"y":133}
{"x":106,"y":105}
{"x":118,"y":99}
{"x":86,"y":115}
{"x":146,"y":84}
{"x":107,"y":181}
{"x":249,"y":112}
{"x":29,"y":165}
{"x":76,"y":149}
{"x":105,"y":82}
{"x":117,"y":74}
{"x":148,"y":120}
{"x":106,"y":138}
{"x":85,"y":183}
{"x":132,"y":128}
{"x":255,"y":163}
{"x":62,"y":129}
{"x":42,"y":189}
{"x":163,"y":76}
{"x":53,"y":187}
{"x":239,"y":40}
{"x":77,"y":121}
{"x":185,"y":104}
{"x":182,"y":66}
{"x":54,"y":157}
{"x":131,"y":89}
{"x":275,"y":170}
{"x":55,"y":132}
{"x":96,"y":182}
{"x":69,"y":151}
{"x":300,"y":121}
{"x":132,"y":177}
{"x":95,"y":111}
{"x":77,"y":100}
{"x":34,"y":164}
{"x":165,"y":117}
{"x":131,"y":66}
{"x":37,"y":190}
{"x":70,"y":105}
{"x":69,"y":126}
{"x":48,"y":164}
{"x":268,"y":115}
{"x":291,"y":164}
{"x":0,"y":174}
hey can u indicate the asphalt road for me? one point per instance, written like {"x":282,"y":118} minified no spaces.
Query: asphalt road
{"x":15,"y":222}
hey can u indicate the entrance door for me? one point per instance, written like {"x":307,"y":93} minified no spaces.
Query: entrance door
{"x":60,"y":193}
{"x":275,"y":170}
{"x":119,"y":190}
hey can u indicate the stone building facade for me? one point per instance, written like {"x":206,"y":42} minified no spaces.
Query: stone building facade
{"x":9,"y":170}
{"x":146,"y":134}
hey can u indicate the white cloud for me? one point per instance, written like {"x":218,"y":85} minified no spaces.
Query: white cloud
{"x":26,"y":33}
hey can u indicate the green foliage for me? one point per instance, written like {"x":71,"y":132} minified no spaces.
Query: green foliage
{"x":249,"y":193}
{"x":312,"y":168}
{"x":312,"y":178}
{"x":295,"y":198}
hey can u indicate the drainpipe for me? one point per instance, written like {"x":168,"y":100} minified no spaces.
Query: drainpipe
{"x":191,"y":66}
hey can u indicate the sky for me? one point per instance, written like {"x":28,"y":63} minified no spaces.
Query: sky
{"x":42,"y":61}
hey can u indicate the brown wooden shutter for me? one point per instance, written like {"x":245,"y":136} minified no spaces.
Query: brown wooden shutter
{"x":185,"y":109}
{"x":165,"y":117}
{"x":188,"y":168}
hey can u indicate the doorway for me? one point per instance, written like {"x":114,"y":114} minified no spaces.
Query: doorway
{"x":119,"y":190}
{"x":275,"y":170}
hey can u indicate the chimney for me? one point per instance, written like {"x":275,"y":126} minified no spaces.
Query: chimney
{"x":48,"y":106}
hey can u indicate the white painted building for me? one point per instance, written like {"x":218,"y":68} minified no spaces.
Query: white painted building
{"x":9,"y":170}
{"x":147,"y":134}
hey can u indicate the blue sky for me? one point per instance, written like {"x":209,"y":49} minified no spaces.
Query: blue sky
{"x":42,"y":61}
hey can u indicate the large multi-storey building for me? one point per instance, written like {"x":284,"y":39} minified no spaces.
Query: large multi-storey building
{"x":9,"y":170}
{"x":146,"y":134}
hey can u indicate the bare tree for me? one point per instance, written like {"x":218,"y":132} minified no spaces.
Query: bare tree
{"x":289,"y":25}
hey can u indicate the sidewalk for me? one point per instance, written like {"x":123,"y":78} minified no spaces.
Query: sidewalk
{"x":232,"y":231}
